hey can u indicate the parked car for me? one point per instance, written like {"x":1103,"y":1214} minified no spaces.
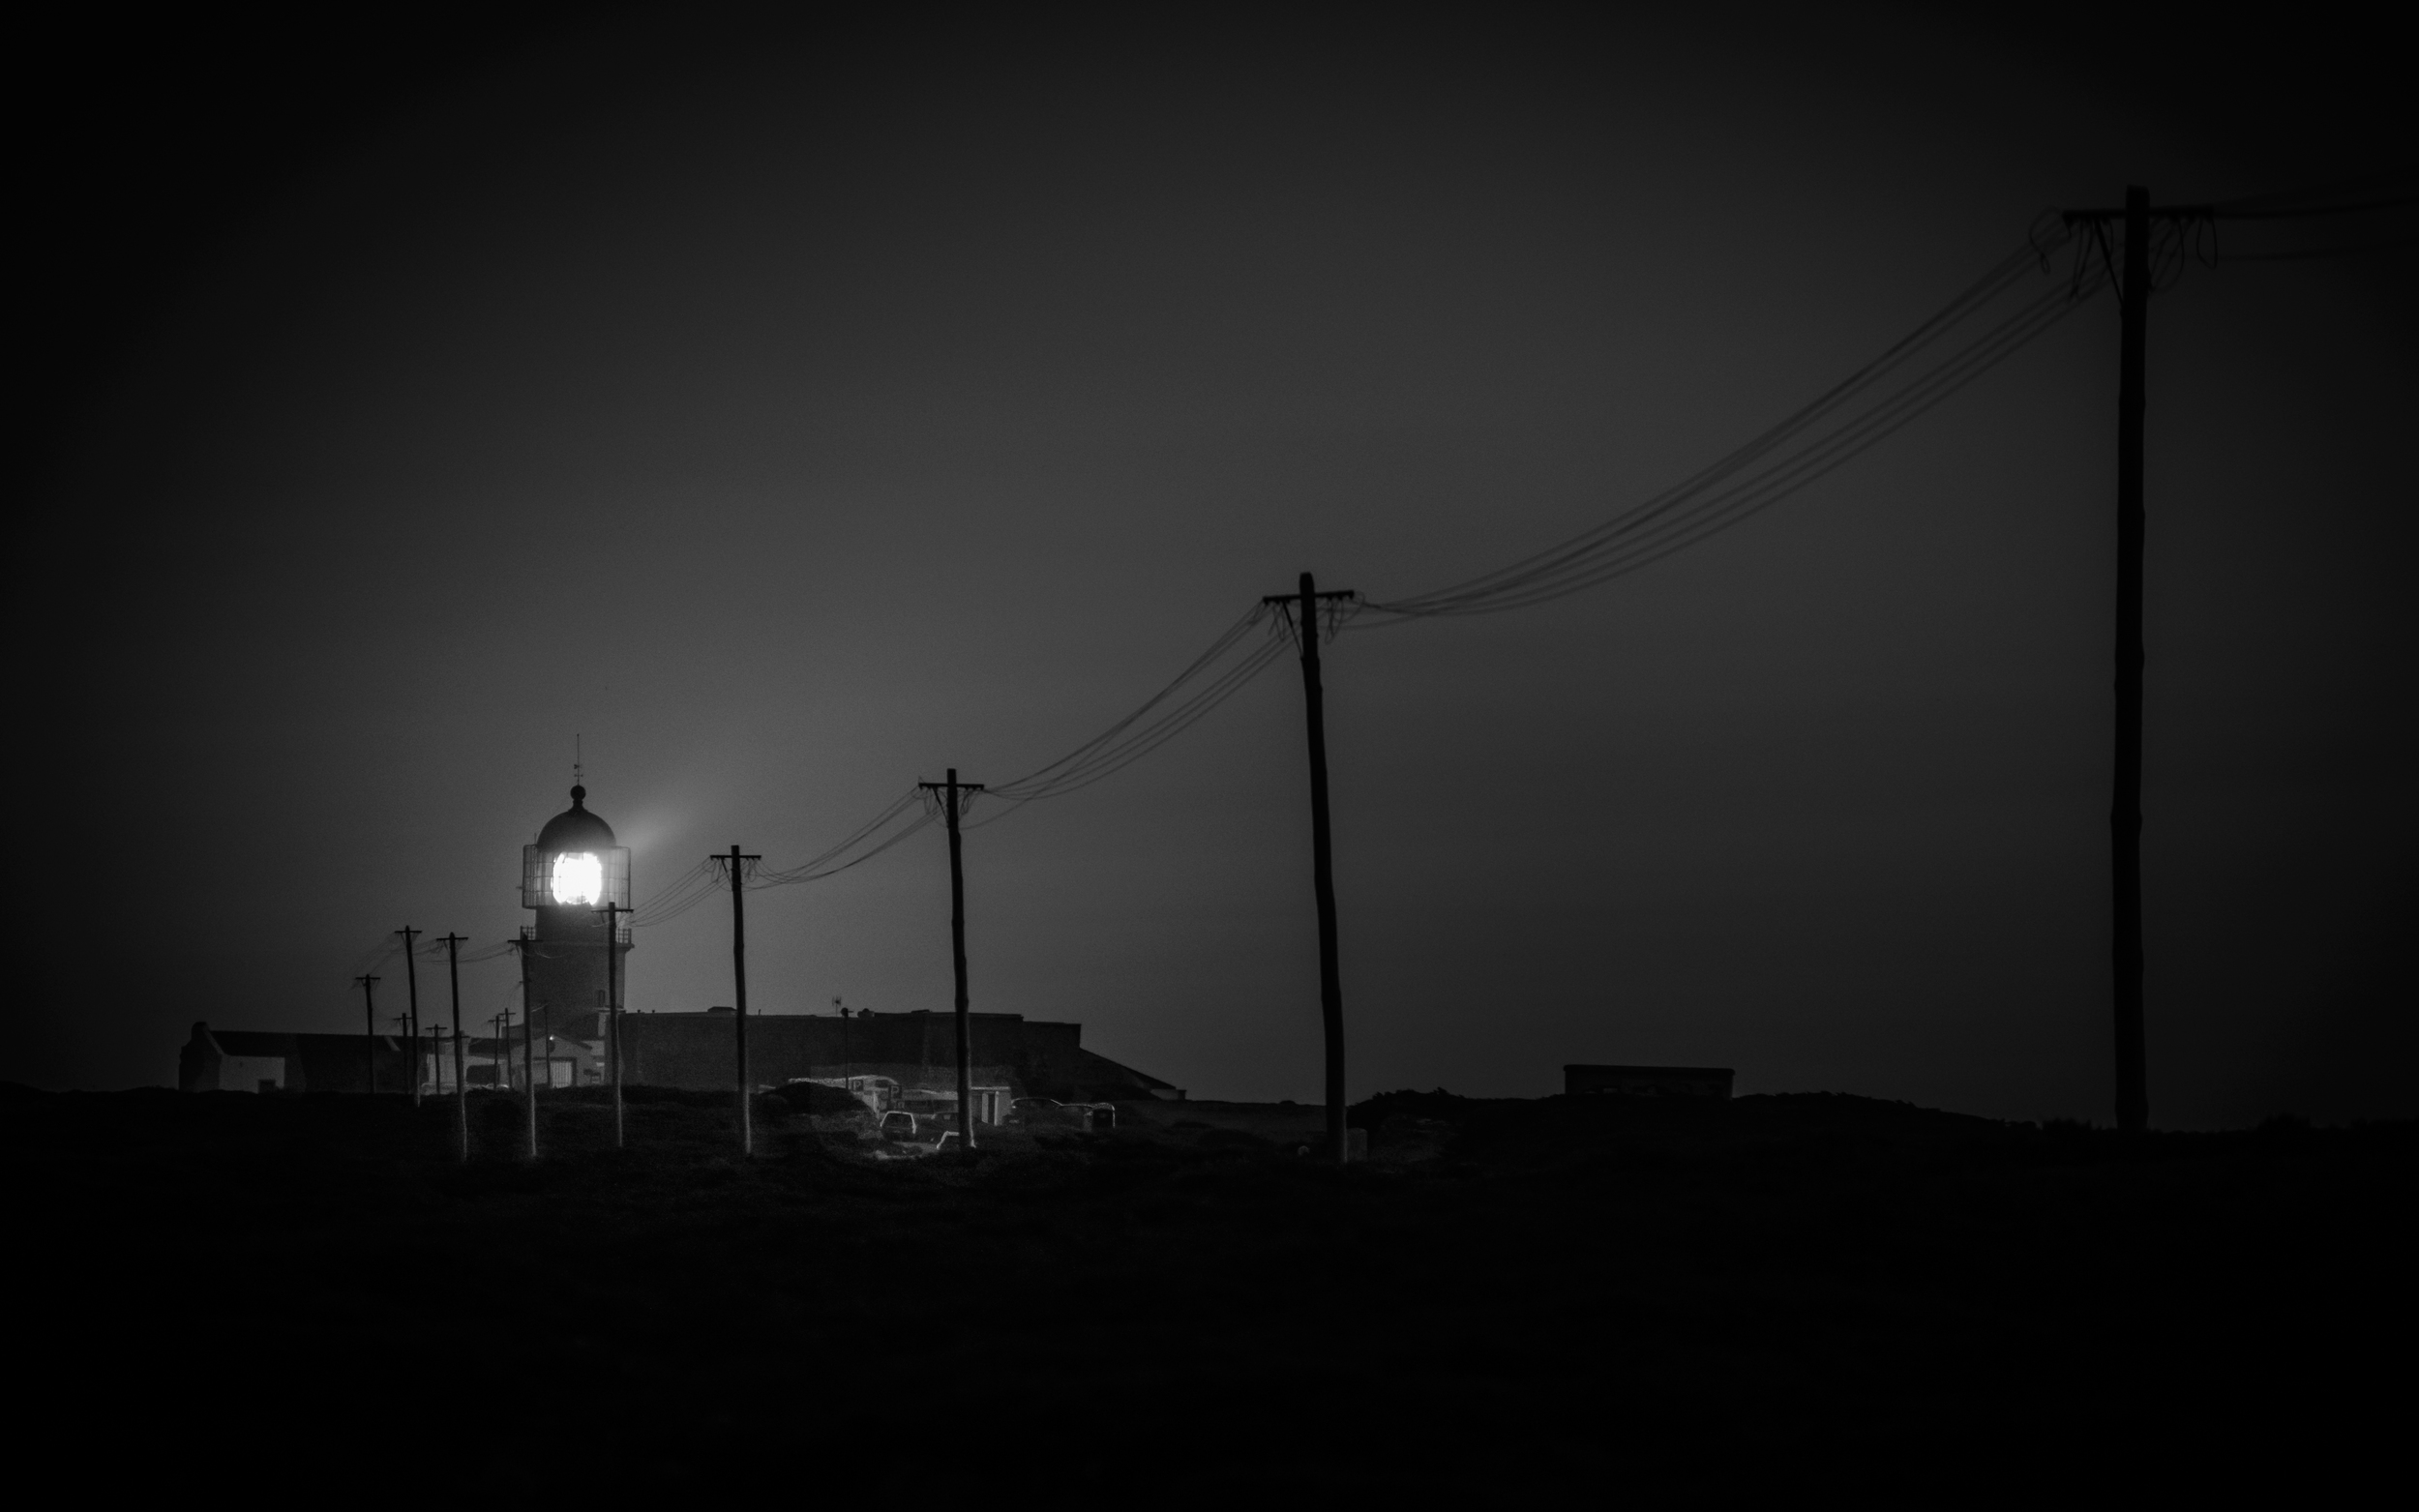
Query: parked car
{"x":1043,"y":1112}
{"x":897,"y":1124}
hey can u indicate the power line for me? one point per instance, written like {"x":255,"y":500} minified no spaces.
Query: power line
{"x":2390,"y":189}
{"x":1790,"y":455}
{"x":1898,"y":386}
{"x":2345,"y":249}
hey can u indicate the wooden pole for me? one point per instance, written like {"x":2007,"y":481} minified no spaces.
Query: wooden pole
{"x":370,"y":1028}
{"x":529,"y":1047}
{"x":411,"y":984}
{"x":612,"y":912}
{"x":957,"y":964}
{"x":952,"y":793}
{"x":740,"y":1003}
{"x":2125,"y":808}
{"x":737,"y":862}
{"x":2133,"y":273}
{"x":1304,"y":602}
{"x":461,"y":1085}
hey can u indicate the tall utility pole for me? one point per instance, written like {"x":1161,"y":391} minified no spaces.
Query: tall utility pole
{"x":737,"y":861}
{"x":529,"y":1044}
{"x":462,"y":1084}
{"x":1303,"y":606}
{"x":412,"y":979}
{"x":949,"y":791}
{"x":612,"y":912}
{"x":370,"y":1027}
{"x":2125,"y":803}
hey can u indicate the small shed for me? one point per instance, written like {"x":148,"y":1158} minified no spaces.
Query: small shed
{"x":253,"y":1061}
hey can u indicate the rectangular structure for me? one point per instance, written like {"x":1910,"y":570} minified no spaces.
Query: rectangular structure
{"x":915,"y":1051}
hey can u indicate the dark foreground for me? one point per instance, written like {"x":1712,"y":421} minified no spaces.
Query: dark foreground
{"x":1817,"y":1295}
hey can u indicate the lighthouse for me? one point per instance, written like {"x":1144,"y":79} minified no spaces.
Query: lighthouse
{"x":573,"y":870}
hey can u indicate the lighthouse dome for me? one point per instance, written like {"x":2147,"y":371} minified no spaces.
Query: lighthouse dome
{"x":575,"y":828}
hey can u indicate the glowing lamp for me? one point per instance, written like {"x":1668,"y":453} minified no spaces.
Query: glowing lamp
{"x":577,"y":878}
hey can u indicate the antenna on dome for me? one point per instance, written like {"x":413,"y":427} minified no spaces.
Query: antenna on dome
{"x":577,"y":780}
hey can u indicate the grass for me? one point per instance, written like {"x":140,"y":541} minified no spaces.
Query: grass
{"x":1781,"y":1295}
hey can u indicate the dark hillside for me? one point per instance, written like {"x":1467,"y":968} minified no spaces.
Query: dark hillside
{"x":1808,"y":1296}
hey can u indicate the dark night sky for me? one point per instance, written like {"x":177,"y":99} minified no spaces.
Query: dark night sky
{"x":795,"y":414}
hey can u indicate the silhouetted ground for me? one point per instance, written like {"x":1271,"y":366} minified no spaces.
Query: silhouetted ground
{"x":1796,"y":1295}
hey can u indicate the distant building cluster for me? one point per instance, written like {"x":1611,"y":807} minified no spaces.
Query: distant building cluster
{"x":1015,"y":1056}
{"x":576,"y":881}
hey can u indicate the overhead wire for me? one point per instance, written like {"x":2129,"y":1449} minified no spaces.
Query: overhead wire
{"x":678,"y":897}
{"x":890,"y":812}
{"x":1838,"y":424}
{"x":1872,"y":403}
{"x":1658,"y":536}
{"x":1802,"y":447}
{"x":2367,"y":204}
{"x":798,"y":874}
{"x":2345,"y":250}
{"x":1157,"y":720}
{"x":2391,"y":190}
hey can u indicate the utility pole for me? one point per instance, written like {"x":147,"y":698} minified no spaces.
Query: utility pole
{"x":370,"y":1027}
{"x":950,"y":791}
{"x":2125,"y":804}
{"x":412,"y":979}
{"x":737,"y":864}
{"x":612,"y":912}
{"x":462,"y":1084}
{"x":529,"y":1044}
{"x":403,"y":1038}
{"x":1303,"y":606}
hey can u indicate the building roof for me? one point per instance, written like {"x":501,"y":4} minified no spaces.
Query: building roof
{"x":575,"y":828}
{"x":253,"y":1042}
{"x":272,"y":1042}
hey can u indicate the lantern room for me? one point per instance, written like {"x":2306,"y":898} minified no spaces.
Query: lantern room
{"x":575,"y":862}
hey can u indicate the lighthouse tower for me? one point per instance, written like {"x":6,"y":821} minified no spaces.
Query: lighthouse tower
{"x":574,"y":870}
